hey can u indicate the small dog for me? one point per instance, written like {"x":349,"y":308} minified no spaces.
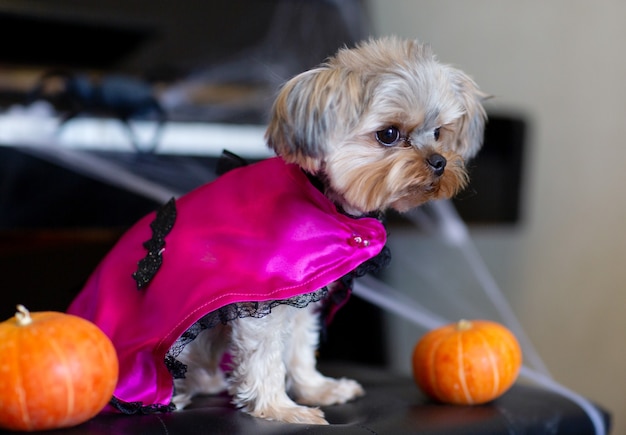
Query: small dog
{"x":383,"y":125}
{"x":245,"y":266}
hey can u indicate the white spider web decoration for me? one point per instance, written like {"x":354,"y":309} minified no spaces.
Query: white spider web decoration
{"x":467,"y":290}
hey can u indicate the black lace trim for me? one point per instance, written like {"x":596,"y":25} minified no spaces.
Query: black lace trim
{"x":342,"y":289}
{"x":334,"y":300}
{"x":161,"y":226}
{"x":139,"y":408}
{"x":222,"y":315}
{"x":226,"y":314}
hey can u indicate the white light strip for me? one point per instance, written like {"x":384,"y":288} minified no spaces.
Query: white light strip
{"x":193,"y":138}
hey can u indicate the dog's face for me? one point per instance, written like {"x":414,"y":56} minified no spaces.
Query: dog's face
{"x":385,"y":125}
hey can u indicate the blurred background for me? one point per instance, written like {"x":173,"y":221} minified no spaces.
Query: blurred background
{"x":545,"y":210}
{"x":562,"y":267}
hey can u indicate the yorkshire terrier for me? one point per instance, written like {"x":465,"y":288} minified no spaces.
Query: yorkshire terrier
{"x":380,"y":126}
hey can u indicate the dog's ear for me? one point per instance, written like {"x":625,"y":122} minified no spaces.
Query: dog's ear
{"x":310,"y":111}
{"x":472,"y":124}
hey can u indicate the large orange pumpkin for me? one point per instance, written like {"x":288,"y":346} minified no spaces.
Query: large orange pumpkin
{"x":56,"y":370}
{"x":467,"y":363}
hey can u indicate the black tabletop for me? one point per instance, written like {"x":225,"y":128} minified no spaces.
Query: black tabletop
{"x":392,"y":405}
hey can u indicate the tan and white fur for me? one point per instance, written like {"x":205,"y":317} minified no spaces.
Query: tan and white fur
{"x":384,"y":125}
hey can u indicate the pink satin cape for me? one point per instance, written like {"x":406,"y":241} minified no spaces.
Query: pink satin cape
{"x":261,"y":232}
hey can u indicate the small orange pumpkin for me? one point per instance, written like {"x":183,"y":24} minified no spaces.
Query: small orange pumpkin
{"x":56,"y":370}
{"x":467,"y":363}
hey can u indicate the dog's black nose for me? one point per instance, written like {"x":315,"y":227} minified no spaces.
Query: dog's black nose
{"x":438,"y":163}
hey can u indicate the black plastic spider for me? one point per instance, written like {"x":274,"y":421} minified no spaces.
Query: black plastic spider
{"x":123,"y":97}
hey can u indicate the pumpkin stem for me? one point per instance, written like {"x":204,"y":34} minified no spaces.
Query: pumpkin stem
{"x":463,"y":325}
{"x":23,"y":316}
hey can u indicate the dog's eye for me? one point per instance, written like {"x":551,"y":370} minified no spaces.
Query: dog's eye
{"x":436,"y":133}
{"x":389,"y":136}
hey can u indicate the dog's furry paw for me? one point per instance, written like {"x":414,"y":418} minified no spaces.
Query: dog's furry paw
{"x":200,"y":381}
{"x":330,"y":392}
{"x":181,"y":401}
{"x":291,"y":414}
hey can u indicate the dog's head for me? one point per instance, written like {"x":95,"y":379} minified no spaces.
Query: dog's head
{"x":385,"y":125}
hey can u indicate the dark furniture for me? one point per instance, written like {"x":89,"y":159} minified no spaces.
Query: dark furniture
{"x":393,"y":405}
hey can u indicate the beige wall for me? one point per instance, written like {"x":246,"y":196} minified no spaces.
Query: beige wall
{"x":563,"y":64}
